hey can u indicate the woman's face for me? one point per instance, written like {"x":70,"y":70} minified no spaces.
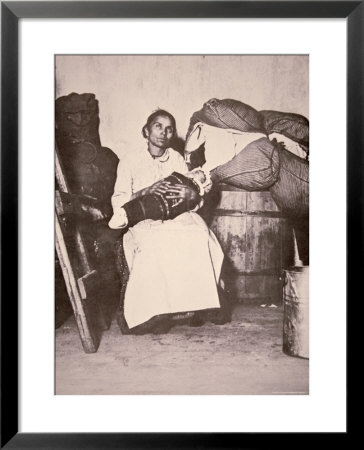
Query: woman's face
{"x":160,"y":132}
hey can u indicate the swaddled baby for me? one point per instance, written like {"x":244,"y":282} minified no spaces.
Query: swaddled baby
{"x":166,"y":206}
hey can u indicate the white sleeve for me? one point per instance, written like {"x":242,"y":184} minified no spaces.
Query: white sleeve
{"x":123,"y":185}
{"x":122,"y":194}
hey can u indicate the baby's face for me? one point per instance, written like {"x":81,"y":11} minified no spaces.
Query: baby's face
{"x":199,"y":176}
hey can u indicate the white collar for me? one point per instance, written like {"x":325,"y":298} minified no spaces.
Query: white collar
{"x":163,"y":158}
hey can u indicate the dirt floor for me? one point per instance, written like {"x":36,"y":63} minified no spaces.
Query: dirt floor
{"x":242,"y":357}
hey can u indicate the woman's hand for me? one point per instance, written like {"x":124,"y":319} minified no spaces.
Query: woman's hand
{"x":160,"y":187}
{"x":178,"y":193}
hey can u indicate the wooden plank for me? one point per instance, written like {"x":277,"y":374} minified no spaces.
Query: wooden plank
{"x":62,"y":183}
{"x":233,"y":200}
{"x":88,"y":333}
{"x":242,"y":213}
{"x":82,"y":282}
{"x":230,"y":232}
{"x":287,"y":248}
{"x":248,"y":227}
{"x":89,"y":286}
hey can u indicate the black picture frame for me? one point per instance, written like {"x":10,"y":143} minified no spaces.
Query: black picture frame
{"x":11,"y":12}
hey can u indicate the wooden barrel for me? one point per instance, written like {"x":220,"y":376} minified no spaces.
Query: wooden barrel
{"x":249,"y":228}
{"x":295,"y":312}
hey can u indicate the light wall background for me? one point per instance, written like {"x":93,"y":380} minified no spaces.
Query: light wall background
{"x":130,"y":87}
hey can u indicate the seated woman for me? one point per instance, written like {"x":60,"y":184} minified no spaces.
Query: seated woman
{"x":174,"y":264}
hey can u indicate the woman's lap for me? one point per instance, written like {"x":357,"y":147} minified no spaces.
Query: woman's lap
{"x":170,"y":269}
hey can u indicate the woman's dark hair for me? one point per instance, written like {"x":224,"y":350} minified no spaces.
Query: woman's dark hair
{"x":159,"y":112}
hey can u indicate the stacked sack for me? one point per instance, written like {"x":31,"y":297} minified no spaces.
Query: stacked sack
{"x":289,"y":128}
{"x":228,"y":113}
{"x":291,"y":131}
{"x":253,"y":150}
{"x":237,"y":150}
{"x":90,"y":169}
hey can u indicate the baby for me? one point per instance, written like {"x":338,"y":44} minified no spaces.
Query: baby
{"x":164,"y":206}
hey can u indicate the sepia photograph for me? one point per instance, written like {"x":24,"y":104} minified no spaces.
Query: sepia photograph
{"x":177,"y":263}
{"x":181,"y":224}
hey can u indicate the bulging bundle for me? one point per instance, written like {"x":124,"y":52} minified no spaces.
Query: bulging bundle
{"x":292,"y":126}
{"x":158,"y":206}
{"x":254,"y":150}
{"x":228,"y":113}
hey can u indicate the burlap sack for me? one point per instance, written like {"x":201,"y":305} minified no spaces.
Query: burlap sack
{"x":228,"y":113}
{"x":256,"y":167}
{"x":293,"y":126}
{"x":291,"y":190}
